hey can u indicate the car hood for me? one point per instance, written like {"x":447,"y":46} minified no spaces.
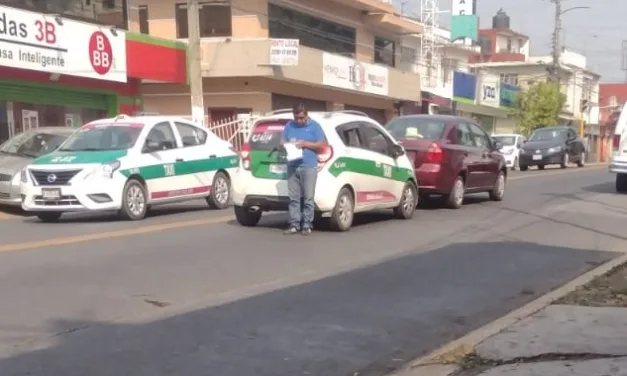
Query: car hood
{"x":534,"y":145}
{"x":80,"y":157}
{"x":13,"y":164}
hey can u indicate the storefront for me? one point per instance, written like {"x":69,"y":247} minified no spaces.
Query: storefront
{"x":59,"y":72}
{"x":478,"y":99}
{"x":435,"y":104}
{"x":320,"y":80}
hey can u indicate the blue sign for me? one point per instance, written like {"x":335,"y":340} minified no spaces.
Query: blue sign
{"x":509,"y":93}
{"x":464,"y":87}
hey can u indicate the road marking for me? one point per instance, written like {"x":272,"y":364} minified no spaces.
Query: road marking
{"x":65,"y":240}
{"x":465,"y":345}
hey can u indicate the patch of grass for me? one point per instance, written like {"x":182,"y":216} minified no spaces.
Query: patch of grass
{"x":609,"y":290}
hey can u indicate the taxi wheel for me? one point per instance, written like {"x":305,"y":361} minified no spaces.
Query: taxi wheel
{"x":49,"y":217}
{"x":134,"y":201}
{"x":246,"y":217}
{"x":409,"y":201}
{"x":220,"y":196}
{"x":343,"y":212}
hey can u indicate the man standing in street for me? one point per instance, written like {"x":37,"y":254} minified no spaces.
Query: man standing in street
{"x":305,"y":134}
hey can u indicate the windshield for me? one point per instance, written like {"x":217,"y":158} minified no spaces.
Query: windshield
{"x":103,"y":137}
{"x":548,"y":134}
{"x":506,"y":140}
{"x":267,"y":135}
{"x":416,"y":127}
{"x":32,"y":144}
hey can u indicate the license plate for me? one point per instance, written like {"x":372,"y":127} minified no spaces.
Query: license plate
{"x":278,"y":168}
{"x":51,"y":194}
{"x":537,"y":157}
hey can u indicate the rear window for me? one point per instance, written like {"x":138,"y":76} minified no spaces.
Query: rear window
{"x":416,"y":127}
{"x":267,"y":135}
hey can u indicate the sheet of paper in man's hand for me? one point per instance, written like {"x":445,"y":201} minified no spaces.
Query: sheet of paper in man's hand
{"x":292,"y":153}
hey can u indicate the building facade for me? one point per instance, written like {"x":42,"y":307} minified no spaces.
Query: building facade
{"x":61,"y":72}
{"x":437,"y":77}
{"x":260,"y":55}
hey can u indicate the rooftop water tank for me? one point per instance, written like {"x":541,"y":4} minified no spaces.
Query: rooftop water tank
{"x":500,"y":20}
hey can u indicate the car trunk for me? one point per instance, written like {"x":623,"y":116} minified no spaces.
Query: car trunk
{"x":267,"y":156}
{"x":417,"y":150}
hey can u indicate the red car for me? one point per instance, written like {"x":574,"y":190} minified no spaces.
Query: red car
{"x":452,"y":156}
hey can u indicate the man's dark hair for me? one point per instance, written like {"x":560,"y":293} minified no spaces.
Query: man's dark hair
{"x":299,"y":107}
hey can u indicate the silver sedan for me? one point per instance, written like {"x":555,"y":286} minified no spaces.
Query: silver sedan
{"x":19,"y":151}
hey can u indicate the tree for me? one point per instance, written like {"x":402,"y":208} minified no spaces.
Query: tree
{"x":538,"y":106}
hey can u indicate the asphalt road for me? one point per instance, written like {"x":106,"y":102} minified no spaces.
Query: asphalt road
{"x":189,"y":292}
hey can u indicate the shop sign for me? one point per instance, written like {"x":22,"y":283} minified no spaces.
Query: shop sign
{"x":464,"y":87}
{"x":490,"y":91}
{"x":52,"y":44}
{"x":508,"y":95}
{"x":345,"y":73}
{"x":284,"y":52}
{"x":463,"y":7}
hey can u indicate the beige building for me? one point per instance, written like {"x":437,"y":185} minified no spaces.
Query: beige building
{"x":348,"y":56}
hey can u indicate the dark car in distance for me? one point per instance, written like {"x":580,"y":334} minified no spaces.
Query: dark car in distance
{"x":452,"y":156}
{"x":552,"y":146}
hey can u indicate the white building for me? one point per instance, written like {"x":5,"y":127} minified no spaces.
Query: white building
{"x":437,"y":79}
{"x":577,"y":83}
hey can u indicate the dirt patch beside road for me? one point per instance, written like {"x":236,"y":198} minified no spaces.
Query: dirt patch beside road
{"x":609,"y":290}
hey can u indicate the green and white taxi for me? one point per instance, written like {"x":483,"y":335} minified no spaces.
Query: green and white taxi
{"x":128,"y":164}
{"x":363,"y":169}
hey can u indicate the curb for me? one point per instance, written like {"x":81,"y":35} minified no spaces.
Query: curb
{"x":461,"y":347}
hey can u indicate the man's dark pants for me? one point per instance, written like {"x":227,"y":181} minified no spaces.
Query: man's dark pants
{"x":301,"y":187}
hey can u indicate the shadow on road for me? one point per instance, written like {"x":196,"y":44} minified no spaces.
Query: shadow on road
{"x":605,"y":187}
{"x":368,"y":321}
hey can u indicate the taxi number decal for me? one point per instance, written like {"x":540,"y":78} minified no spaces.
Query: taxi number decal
{"x":387,"y":171}
{"x":169,"y":170}
{"x":65,"y":159}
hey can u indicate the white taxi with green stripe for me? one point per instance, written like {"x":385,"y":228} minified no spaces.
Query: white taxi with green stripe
{"x":363,"y":169}
{"x":128,"y":164}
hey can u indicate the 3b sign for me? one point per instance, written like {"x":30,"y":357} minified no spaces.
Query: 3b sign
{"x":100,"y":53}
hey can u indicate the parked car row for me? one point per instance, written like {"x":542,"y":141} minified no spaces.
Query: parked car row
{"x":129,"y":164}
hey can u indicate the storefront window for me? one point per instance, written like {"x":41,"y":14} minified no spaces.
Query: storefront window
{"x":27,"y":116}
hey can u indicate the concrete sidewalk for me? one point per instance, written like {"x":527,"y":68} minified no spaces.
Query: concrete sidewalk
{"x":560,"y":340}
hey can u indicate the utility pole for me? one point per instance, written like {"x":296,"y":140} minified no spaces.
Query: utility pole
{"x":195,"y":62}
{"x":557,"y":32}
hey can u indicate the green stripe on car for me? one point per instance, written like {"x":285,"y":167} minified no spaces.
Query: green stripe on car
{"x":367,"y":167}
{"x":80,"y":157}
{"x":164,"y":170}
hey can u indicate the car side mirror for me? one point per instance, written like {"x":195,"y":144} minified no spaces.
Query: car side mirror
{"x":497,"y":145}
{"x":397,"y":151}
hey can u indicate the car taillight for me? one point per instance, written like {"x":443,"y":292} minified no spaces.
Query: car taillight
{"x":324,"y":156}
{"x":245,"y":155}
{"x":434,"y":154}
{"x":616,"y":142}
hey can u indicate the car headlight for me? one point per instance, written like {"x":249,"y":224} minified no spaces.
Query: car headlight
{"x":555,"y":149}
{"x":24,"y":176}
{"x":109,"y":168}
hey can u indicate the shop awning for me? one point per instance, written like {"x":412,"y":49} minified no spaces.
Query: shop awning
{"x":156,"y":59}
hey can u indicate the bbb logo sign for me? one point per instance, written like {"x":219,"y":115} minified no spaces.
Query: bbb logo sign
{"x":489,"y":92}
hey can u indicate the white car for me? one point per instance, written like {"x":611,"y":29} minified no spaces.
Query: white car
{"x":511,"y":148}
{"x":618,"y":162}
{"x":128,"y":164}
{"x":363,"y":169}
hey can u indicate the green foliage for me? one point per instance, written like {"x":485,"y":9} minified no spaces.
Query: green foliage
{"x":538,"y":106}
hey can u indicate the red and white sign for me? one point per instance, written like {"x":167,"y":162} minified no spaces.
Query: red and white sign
{"x":47,"y":43}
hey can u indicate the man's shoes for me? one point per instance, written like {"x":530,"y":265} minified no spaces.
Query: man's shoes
{"x":291,"y":231}
{"x":306,"y":231}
